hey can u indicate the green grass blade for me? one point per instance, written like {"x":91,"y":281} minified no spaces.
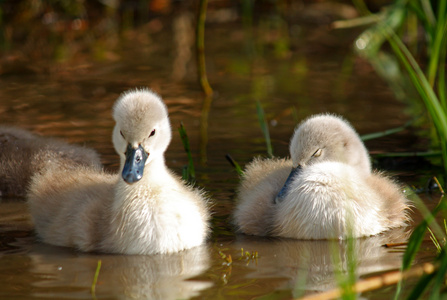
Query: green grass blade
{"x":428,"y":12}
{"x":376,"y":135}
{"x":419,"y":232}
{"x":435,"y":54}
{"x":442,"y":65}
{"x":439,"y":280}
{"x":190,"y":173}
{"x":373,"y":38}
{"x":435,"y":241}
{"x":421,"y":286}
{"x":356,"y":22}
{"x":352,"y":266}
{"x":95,"y":280}
{"x":236,"y":166}
{"x":421,"y":83}
{"x":414,"y":243}
{"x":264,"y":128}
{"x":345,"y":278}
{"x":346,"y":257}
{"x":185,"y":175}
{"x":415,"y":7}
{"x":200,"y":48}
{"x":424,"y":88}
{"x":361,"y":7}
{"x":408,"y":154}
{"x":442,"y":11}
{"x":295,"y":115}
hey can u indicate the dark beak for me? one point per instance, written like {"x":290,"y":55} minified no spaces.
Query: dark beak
{"x":285,"y":189}
{"x":134,"y":165}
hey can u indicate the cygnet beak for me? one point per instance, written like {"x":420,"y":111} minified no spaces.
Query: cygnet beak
{"x":134,"y":164}
{"x":285,"y":189}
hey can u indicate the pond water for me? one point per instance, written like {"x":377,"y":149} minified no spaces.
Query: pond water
{"x":295,"y":69}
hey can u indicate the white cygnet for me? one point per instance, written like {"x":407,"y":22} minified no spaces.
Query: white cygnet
{"x":144,"y":209}
{"x":330,"y":193}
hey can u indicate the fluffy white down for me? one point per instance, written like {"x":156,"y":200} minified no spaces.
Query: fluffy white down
{"x":91,"y":210}
{"x":157,"y":218}
{"x":329,"y":200}
{"x":261,"y":182}
{"x":331,"y":193}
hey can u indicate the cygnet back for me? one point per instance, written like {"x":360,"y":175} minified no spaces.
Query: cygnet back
{"x":23,"y":154}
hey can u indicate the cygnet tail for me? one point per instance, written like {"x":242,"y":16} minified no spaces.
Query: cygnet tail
{"x":395,"y":205}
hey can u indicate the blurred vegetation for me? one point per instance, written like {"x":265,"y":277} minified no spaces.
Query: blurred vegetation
{"x":67,"y":31}
{"x":416,"y":36}
{"x":416,"y":32}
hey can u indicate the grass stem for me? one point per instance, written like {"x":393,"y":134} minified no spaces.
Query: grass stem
{"x":206,"y":106}
{"x":376,"y":282}
{"x":264,"y":128}
{"x":200,"y":48}
{"x":375,"y":135}
{"x":236,"y":166}
{"x":189,"y":173}
{"x":95,"y":280}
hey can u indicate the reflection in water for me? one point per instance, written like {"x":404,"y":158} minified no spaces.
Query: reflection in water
{"x":291,"y":267}
{"x":120,"y":276}
{"x":183,"y":40}
{"x":204,"y":128}
{"x":29,"y":268}
{"x":310,"y":266}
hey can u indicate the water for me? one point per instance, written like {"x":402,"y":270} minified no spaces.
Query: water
{"x":297,"y":66}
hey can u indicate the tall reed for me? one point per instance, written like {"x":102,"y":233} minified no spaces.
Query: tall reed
{"x":200,"y":48}
{"x":264,"y":128}
{"x":188,"y":172}
{"x":430,"y":84}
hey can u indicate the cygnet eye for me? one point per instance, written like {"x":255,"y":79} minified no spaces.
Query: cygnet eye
{"x":317,"y":153}
{"x":152,"y":133}
{"x":122,"y":134}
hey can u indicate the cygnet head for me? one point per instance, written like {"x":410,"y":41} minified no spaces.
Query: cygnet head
{"x":142,"y":131}
{"x":325,"y":137}
{"x":328,"y":137}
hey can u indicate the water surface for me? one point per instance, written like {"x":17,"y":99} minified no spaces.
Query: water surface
{"x":315,"y":72}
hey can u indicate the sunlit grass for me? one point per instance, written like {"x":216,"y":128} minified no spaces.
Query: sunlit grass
{"x":200,"y":48}
{"x":439,"y":244}
{"x":414,"y":244}
{"x":432,"y":103}
{"x":95,"y":280}
{"x":375,"y":135}
{"x":431,"y":86}
{"x":235,"y":165}
{"x":430,"y":83}
{"x":346,"y":278}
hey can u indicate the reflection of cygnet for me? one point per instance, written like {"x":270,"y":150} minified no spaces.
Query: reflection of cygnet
{"x":312,"y":265}
{"x":330,"y":193}
{"x":143,"y":210}
{"x":22,"y":154}
{"x":158,"y":276}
